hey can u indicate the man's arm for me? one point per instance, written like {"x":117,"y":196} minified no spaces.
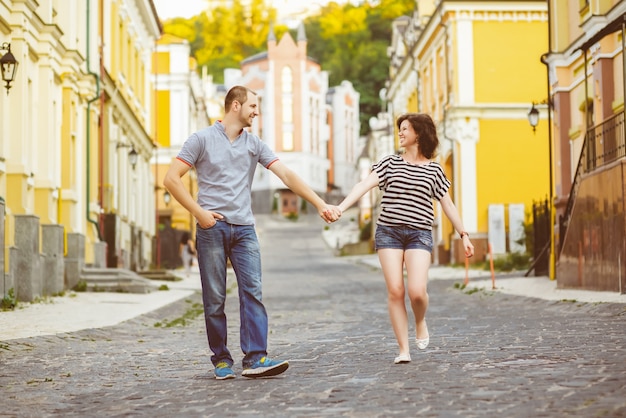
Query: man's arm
{"x":174,"y":184}
{"x":299,"y":187}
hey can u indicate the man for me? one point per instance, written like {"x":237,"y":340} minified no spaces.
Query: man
{"x":225,"y":156}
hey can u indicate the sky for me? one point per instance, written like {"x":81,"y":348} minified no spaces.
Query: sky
{"x":178,"y":8}
{"x":167,"y":9}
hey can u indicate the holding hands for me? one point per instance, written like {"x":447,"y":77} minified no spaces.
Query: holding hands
{"x":330,"y":213}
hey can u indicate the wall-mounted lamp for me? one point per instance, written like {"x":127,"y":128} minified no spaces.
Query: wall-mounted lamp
{"x":8,"y":65}
{"x":533,"y":117}
{"x":533,"y":113}
{"x":167,"y":197}
{"x":132,"y":154}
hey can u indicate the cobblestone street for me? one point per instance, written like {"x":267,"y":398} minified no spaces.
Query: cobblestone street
{"x":490,"y":355}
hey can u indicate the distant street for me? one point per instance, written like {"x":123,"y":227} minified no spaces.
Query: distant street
{"x":491,"y":354}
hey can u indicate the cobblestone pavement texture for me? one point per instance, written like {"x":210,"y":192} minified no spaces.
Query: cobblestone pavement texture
{"x":491,"y":354}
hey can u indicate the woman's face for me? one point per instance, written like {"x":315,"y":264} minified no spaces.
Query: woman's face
{"x":407,"y":135}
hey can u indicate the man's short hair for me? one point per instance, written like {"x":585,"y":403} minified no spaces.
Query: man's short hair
{"x":238,"y":93}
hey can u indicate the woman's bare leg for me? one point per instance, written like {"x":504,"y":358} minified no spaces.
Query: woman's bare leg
{"x":392,"y":263}
{"x":417,"y":265}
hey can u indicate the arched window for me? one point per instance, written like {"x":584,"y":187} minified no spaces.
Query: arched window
{"x":287,"y":106}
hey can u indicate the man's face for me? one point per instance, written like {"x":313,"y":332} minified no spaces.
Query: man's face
{"x":249,"y":110}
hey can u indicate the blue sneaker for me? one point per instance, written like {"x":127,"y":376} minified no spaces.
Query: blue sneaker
{"x":223,"y":371}
{"x":265,"y":367}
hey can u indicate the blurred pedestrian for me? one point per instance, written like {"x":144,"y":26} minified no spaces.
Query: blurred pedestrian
{"x":225,"y":156}
{"x":187,"y":251}
{"x":403,"y":238}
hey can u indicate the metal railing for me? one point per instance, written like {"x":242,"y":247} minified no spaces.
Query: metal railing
{"x":603,"y":144}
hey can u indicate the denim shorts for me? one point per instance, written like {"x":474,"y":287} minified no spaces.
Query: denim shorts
{"x":403,"y":238}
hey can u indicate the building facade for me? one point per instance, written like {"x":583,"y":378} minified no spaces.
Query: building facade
{"x":182,"y":108}
{"x":584,"y":116}
{"x":295,"y":107}
{"x":474,"y":67}
{"x":77,"y":116}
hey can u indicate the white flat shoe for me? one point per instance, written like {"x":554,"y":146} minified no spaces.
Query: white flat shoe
{"x":422,"y":343}
{"x":402,"y":358}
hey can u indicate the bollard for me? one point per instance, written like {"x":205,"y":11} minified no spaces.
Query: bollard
{"x":466,"y":281}
{"x":493,"y":274}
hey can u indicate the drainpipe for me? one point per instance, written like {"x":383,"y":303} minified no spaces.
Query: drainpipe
{"x":552,"y":256}
{"x":89,"y":102}
{"x":447,"y":105}
{"x":101,"y":125}
{"x":544,"y":61}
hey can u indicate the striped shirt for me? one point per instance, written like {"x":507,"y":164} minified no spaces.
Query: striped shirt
{"x":408,"y":192}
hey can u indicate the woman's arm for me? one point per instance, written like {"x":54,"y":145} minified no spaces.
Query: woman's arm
{"x":453,"y":214}
{"x":359,"y":190}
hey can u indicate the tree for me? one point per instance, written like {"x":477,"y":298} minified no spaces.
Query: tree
{"x":348,"y":41}
{"x":224,"y":36}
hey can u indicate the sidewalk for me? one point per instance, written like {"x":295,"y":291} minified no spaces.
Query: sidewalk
{"x":535,"y":287}
{"x":346,"y":230}
{"x":84,"y":310}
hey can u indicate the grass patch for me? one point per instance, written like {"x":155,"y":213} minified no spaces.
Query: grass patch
{"x":470,"y":291}
{"x":8,"y":302}
{"x":81,"y":286}
{"x":193,"y":311}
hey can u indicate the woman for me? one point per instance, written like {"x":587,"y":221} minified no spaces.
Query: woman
{"x":410,"y":182}
{"x":187,"y":251}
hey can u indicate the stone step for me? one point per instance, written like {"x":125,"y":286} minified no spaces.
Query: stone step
{"x":115,"y":280}
{"x":159,"y":275}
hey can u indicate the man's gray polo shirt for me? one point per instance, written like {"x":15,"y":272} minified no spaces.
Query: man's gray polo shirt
{"x":225,"y":170}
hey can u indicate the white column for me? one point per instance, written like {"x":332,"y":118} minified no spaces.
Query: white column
{"x":465,"y":173}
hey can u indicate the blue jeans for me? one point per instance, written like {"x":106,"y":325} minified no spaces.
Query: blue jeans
{"x":240,"y":244}
{"x":403,"y":237}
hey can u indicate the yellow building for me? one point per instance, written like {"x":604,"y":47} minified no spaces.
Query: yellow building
{"x":181,"y":109}
{"x":587,"y":82}
{"x":129,"y":30}
{"x":475,"y":68}
{"x":43,"y":146}
{"x":80,"y":102}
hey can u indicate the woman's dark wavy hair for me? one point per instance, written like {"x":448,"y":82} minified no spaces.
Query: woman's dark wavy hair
{"x":423,"y":125}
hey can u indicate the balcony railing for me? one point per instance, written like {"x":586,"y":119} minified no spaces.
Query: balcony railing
{"x":603,"y":144}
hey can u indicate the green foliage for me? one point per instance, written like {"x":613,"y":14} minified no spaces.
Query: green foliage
{"x":225,"y":36}
{"x":8,"y":302}
{"x":512,"y":262}
{"x":348,"y":41}
{"x":366,"y":232}
{"x":81,"y":286}
{"x":193,"y":311}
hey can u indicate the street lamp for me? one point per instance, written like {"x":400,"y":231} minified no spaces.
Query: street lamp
{"x":533,"y":120}
{"x":167,"y":197}
{"x":132,"y":157}
{"x":132,"y":154}
{"x":8,"y":65}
